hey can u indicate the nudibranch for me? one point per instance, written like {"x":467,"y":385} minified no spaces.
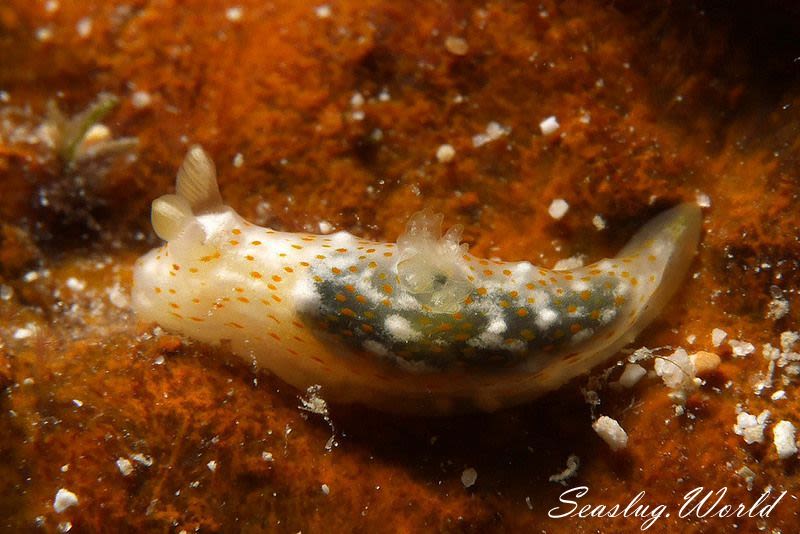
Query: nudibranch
{"x":420,"y":326}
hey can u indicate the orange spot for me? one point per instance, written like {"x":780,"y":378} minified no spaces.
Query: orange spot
{"x":244,"y":299}
{"x":234,"y":325}
{"x":350,"y":288}
{"x":367,"y":328}
{"x":340,"y":297}
{"x":388,"y":289}
{"x":288,"y":269}
{"x":387,"y":254}
{"x":488,"y":272}
{"x":176,"y":267}
{"x":157,"y":289}
{"x":275,"y":336}
{"x":482,"y":291}
{"x":238,"y":289}
{"x":236,"y":231}
{"x":276,"y":298}
{"x":586,"y":295}
{"x":233,"y":242}
{"x":175,"y":305}
{"x":249,"y":257}
{"x":255,"y":274}
{"x":336,"y":270}
{"x":276,"y":278}
{"x":348,"y":312}
{"x":619,"y":301}
{"x":197,"y":319}
{"x":575,"y":328}
{"x":361,"y":299}
{"x":522,"y":312}
{"x":192,"y":270}
{"x":341,"y":250}
{"x":298,"y":247}
{"x":255,"y":243}
{"x":353,"y":269}
{"x":530,"y":286}
{"x":572,"y":309}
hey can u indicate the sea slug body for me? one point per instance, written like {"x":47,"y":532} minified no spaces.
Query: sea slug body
{"x":420,"y":326}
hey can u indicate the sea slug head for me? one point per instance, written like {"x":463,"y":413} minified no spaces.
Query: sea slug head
{"x":192,"y":222}
{"x":431,"y":266}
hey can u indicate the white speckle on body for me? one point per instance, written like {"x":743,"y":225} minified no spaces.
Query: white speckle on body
{"x":325,"y":489}
{"x":325,"y":227}
{"x":323,"y":11}
{"x":468,"y":477}
{"x":549,"y":125}
{"x":558,"y":208}
{"x":676,"y":370}
{"x":23,"y":333}
{"x":611,"y":432}
{"x":267,"y":456}
{"x":401,"y":329}
{"x":64,"y":499}
{"x":238,"y":160}
{"x":778,"y":395}
{"x":212,"y":466}
{"x":599,"y":222}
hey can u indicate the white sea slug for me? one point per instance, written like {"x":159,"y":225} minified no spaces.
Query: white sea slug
{"x":420,"y":326}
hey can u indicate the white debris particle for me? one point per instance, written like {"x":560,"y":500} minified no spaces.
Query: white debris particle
{"x":75,"y":284}
{"x":788,"y":339}
{"x":611,"y":432}
{"x":23,"y":333}
{"x":468,"y":477}
{"x":51,"y":6}
{"x":117,"y":296}
{"x":314,"y":403}
{"x":44,"y":34}
{"x":77,"y":402}
{"x":585,"y":118}
{"x":631,"y":375}
{"x":142,"y":459}
{"x":676,"y":370}
{"x":783,"y":434}
{"x":751,"y":427}
{"x":778,"y":395}
{"x":690,"y":339}
{"x":141,"y":99}
{"x":84,"y":27}
{"x":494,"y":131}
{"x":125,"y":466}
{"x":445,"y":153}
{"x":357,"y":100}
{"x":549,"y":125}
{"x":212,"y":465}
{"x":238,"y":160}
{"x":599,"y":222}
{"x":234,"y":14}
{"x":778,"y":308}
{"x":267,"y":456}
{"x":4,"y":97}
{"x":741,"y":348}
{"x":323,"y":11}
{"x":325,"y":489}
{"x":325,"y":227}
{"x":573,"y":462}
{"x":558,"y":208}
{"x":65,"y":468}
{"x":456,"y":45}
{"x":703,"y":200}
{"x":718,"y":336}
{"x":64,"y":499}
{"x":748,"y":475}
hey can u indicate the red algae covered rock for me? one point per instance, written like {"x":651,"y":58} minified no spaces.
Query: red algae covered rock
{"x":337,"y":113}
